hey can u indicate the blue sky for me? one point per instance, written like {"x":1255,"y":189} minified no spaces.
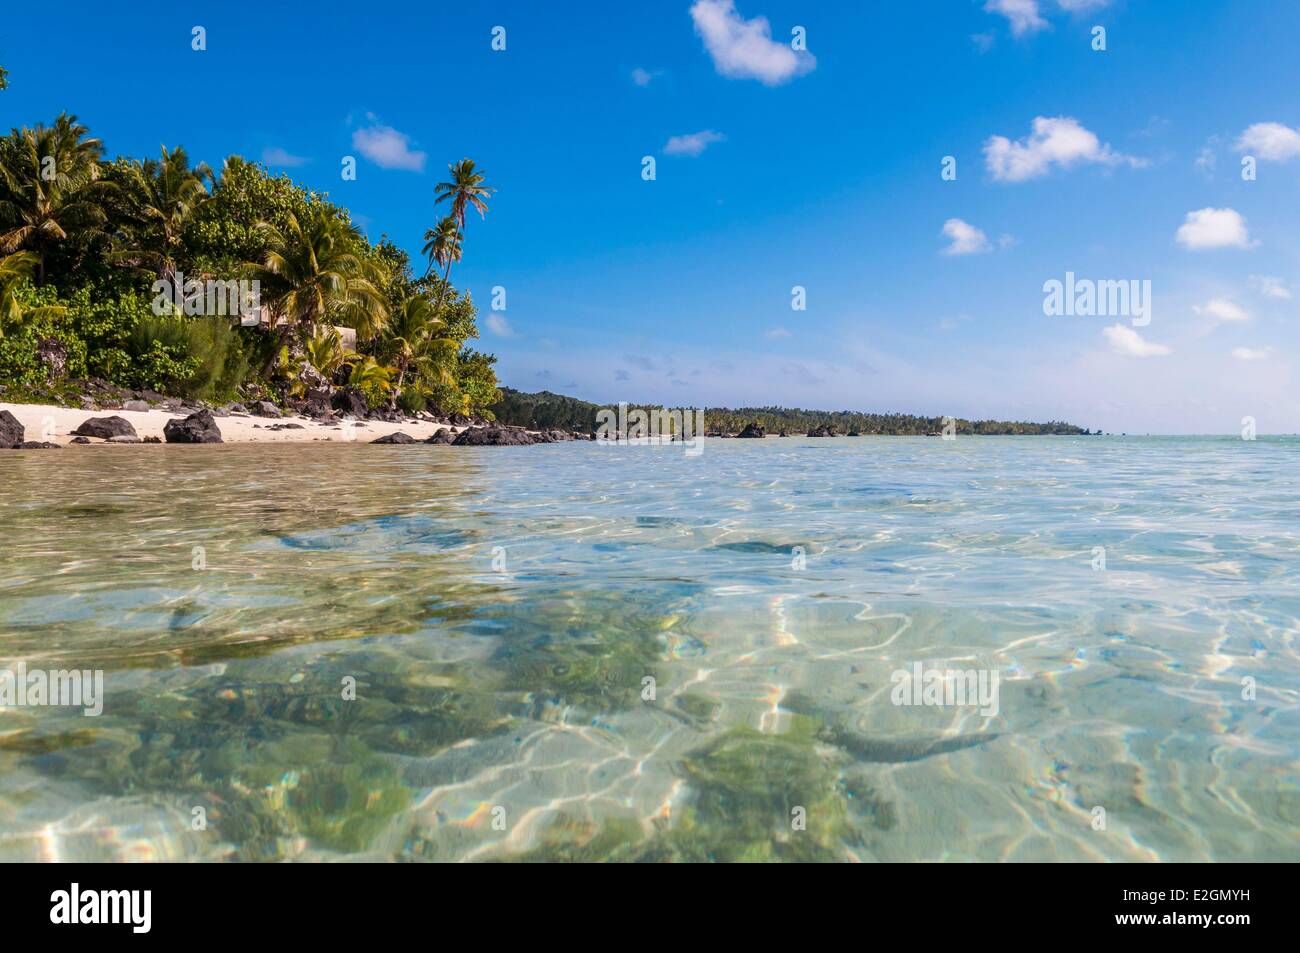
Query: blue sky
{"x":820,"y":170}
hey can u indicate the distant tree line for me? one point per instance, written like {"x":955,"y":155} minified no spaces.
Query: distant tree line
{"x":547,"y":411}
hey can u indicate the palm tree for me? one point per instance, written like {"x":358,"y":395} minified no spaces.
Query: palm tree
{"x":311,"y":273}
{"x":413,"y":339}
{"x":324,"y":351}
{"x":49,"y":188}
{"x":442,"y":244}
{"x":367,"y":374}
{"x":14,"y":270}
{"x":162,"y":196}
{"x":4,"y":78}
{"x":466,"y":188}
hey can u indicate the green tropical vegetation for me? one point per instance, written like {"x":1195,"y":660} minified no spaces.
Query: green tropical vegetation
{"x":84,"y":239}
{"x":547,"y":411}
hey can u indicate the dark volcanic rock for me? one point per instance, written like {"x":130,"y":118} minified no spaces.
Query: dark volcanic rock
{"x":350,"y":401}
{"x":398,"y":437}
{"x":136,"y":405}
{"x":125,"y":438}
{"x":80,"y":440}
{"x":492,"y":437}
{"x":106,"y":427}
{"x":11,"y":431}
{"x":264,"y":408}
{"x":196,"y":428}
{"x":318,"y":405}
{"x":442,"y":436}
{"x":752,"y":430}
{"x":37,"y":445}
{"x":54,"y":355}
{"x":825,"y":430}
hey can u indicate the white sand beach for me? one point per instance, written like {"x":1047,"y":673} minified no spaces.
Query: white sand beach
{"x":46,"y":422}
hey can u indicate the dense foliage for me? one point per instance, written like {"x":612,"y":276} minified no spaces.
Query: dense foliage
{"x":83,"y":240}
{"x":547,"y":411}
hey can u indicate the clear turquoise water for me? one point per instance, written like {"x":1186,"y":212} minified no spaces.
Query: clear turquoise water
{"x":499,"y":711}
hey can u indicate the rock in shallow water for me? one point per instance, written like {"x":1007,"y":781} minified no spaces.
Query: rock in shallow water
{"x":398,"y":437}
{"x":11,"y":431}
{"x":493,"y":437}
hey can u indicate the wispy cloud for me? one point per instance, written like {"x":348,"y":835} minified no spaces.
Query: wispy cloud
{"x":1023,"y":15}
{"x":692,"y":144}
{"x":388,"y":148}
{"x":1270,"y":141}
{"x":744,"y":49}
{"x":966,"y":238}
{"x":1124,"y":340}
{"x":1221,"y":309}
{"x":642,"y":77}
{"x":1060,"y":141}
{"x":498,"y":325}
{"x":1082,"y":6}
{"x":1270,"y":287}
{"x":274,"y":155}
{"x":1213,"y":228}
{"x":1251,"y":353}
{"x":776,"y":334}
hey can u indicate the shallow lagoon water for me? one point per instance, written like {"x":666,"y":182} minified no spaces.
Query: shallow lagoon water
{"x":500,"y":610}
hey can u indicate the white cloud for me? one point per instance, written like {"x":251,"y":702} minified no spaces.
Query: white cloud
{"x":983,"y":41}
{"x":966,"y":238}
{"x":1271,"y":141}
{"x":1059,"y":141}
{"x":642,"y":77}
{"x":274,"y":155}
{"x":744,"y":49}
{"x":498,"y":325}
{"x":1251,"y":353}
{"x":1124,"y":340}
{"x":1213,"y":228}
{"x":1270,"y":287}
{"x":387,"y":148}
{"x":1222,"y":309}
{"x":776,"y":333}
{"x":693,"y":144}
{"x":1023,"y":15}
{"x":1082,"y":6}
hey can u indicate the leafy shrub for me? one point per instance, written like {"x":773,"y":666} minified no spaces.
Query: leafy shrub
{"x":411,"y":401}
{"x":22,"y":368}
